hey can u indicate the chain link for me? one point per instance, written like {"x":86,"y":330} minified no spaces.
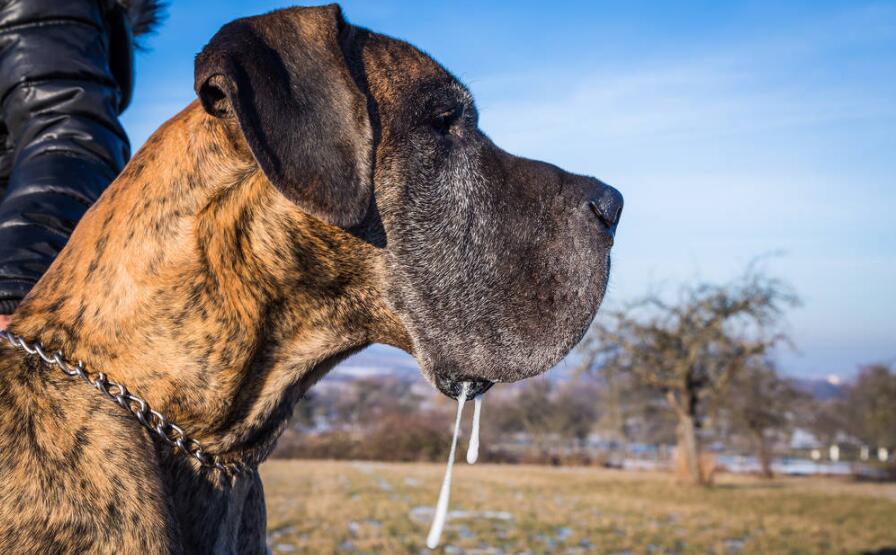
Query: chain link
{"x":172,"y":434}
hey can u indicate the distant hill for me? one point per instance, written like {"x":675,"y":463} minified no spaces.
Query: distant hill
{"x":377,"y":360}
{"x":823,"y":390}
{"x":382,"y":360}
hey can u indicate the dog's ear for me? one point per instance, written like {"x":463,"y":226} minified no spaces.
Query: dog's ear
{"x":284,"y":78}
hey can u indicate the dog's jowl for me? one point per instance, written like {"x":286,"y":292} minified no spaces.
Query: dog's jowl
{"x":329,"y":189}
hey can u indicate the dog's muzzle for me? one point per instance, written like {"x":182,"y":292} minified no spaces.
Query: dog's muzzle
{"x":452,"y":387}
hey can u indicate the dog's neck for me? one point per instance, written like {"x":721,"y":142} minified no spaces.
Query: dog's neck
{"x":200,"y":287}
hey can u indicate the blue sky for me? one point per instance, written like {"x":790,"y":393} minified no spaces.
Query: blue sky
{"x":733,"y":130}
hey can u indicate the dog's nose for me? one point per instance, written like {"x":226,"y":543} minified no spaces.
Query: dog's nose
{"x":607,"y":206}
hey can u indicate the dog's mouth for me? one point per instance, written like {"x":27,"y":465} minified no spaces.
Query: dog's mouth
{"x":452,"y":387}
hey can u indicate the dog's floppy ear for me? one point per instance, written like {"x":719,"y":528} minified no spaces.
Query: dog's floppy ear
{"x":284,"y":78}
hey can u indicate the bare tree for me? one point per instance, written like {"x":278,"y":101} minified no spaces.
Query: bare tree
{"x":689,"y":349}
{"x":370,"y":398}
{"x":760,"y":403}
{"x":574,"y":411}
{"x":631,"y":412}
{"x":870,"y":411}
{"x":824,"y":418}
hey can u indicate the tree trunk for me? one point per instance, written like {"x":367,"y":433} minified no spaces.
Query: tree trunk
{"x":689,"y":447}
{"x":763,"y":454}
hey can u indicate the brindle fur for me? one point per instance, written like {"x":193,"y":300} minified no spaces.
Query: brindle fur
{"x":212,"y":282}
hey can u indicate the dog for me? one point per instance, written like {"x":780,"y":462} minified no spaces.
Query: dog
{"x":328,"y":189}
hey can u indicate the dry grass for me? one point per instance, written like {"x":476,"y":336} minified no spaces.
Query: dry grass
{"x":339,"y":507}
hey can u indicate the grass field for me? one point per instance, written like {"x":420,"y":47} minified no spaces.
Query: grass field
{"x":344,"y":507}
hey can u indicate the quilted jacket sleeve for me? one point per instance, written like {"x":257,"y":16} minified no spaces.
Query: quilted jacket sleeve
{"x":60,"y":96}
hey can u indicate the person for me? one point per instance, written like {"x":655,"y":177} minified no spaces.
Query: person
{"x":66,"y":74}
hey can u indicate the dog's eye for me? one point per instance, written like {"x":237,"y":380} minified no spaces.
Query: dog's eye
{"x":443,"y":121}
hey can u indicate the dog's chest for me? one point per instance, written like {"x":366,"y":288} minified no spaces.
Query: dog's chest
{"x":220,"y":518}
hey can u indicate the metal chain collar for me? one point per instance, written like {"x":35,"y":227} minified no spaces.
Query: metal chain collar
{"x":158,"y":425}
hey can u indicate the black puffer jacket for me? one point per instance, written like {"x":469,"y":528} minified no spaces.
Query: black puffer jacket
{"x":66,"y":73}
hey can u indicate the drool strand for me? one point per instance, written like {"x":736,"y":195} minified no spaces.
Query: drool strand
{"x":473,"y":447}
{"x":438,"y":521}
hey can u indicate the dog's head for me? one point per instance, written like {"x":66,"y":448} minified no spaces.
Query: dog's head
{"x":494,"y":264}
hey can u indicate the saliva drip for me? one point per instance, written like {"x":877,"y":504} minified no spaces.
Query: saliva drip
{"x":438,"y":521}
{"x":473,"y":447}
